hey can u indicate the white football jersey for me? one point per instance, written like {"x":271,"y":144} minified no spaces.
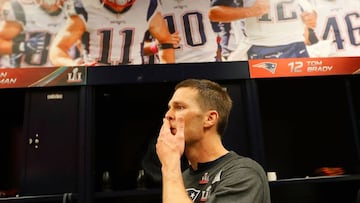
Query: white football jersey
{"x":282,"y":25}
{"x":339,"y":23}
{"x":190,"y":19}
{"x":116,"y":38}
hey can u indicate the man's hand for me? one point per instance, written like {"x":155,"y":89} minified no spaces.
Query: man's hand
{"x":34,"y":45}
{"x":260,"y":7}
{"x":171,"y":142}
{"x":175,"y":38}
{"x":309,"y":19}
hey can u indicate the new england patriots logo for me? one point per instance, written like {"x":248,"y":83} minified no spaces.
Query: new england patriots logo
{"x":193,"y":193}
{"x":267,"y":66}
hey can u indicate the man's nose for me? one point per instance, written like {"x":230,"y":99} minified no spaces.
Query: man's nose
{"x":169,"y":115}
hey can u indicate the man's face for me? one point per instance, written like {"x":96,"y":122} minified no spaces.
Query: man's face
{"x":184,"y":103}
{"x":117,"y":6}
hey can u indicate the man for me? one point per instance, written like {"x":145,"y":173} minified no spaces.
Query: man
{"x":193,"y":125}
{"x":337,"y":27}
{"x":27,"y":30}
{"x":274,"y":28}
{"x":114,"y":32}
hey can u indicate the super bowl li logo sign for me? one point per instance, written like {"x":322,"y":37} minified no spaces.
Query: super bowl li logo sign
{"x":75,"y":76}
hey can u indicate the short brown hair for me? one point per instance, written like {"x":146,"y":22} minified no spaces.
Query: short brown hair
{"x":211,"y":96}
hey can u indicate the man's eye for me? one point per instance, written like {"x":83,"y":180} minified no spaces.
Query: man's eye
{"x":180,"y":107}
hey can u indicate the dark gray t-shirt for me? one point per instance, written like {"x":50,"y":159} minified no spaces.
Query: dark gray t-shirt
{"x":231,"y":178}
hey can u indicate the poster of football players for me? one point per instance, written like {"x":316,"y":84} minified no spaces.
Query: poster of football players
{"x":55,"y":33}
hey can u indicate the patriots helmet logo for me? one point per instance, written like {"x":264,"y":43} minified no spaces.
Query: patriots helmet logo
{"x":267,"y":66}
{"x":193,"y":193}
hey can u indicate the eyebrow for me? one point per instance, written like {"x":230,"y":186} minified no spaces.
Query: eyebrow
{"x":174,"y":103}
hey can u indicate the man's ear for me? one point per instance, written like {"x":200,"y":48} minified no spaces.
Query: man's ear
{"x":211,"y":119}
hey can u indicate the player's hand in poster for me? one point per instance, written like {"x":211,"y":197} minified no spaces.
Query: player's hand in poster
{"x":175,"y":39}
{"x":84,"y":62}
{"x":151,"y":47}
{"x":30,"y":46}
